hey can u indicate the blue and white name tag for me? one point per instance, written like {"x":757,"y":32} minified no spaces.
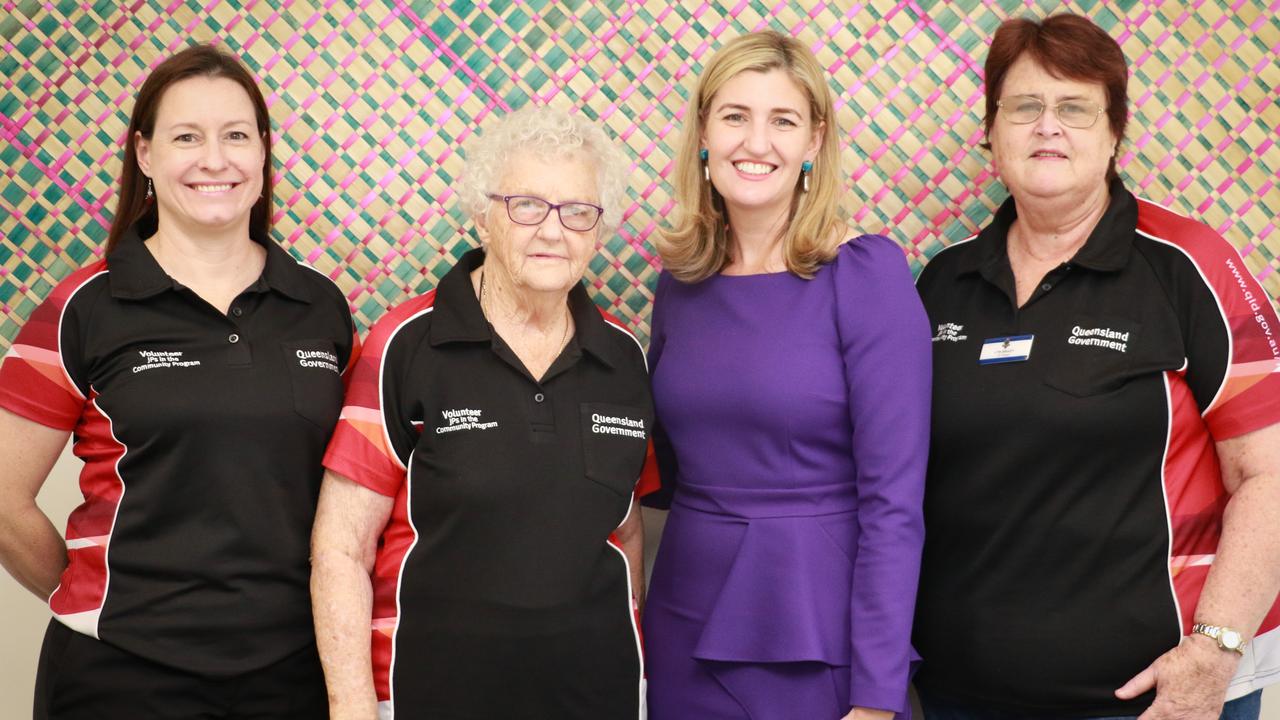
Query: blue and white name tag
{"x":1015,"y":348}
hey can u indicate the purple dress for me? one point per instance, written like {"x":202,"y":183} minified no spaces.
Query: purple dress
{"x":792,"y":437}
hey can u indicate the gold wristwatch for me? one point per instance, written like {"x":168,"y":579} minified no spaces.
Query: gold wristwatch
{"x":1226,"y":638}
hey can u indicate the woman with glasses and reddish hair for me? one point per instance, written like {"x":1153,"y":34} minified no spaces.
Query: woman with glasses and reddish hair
{"x":1104,"y":473}
{"x":477,"y":552}
{"x":198,"y":369}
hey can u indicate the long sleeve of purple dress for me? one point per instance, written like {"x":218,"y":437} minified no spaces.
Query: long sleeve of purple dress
{"x":888,"y":368}
{"x":794,"y":420}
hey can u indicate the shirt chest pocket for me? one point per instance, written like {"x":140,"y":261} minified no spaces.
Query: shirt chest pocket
{"x":614,"y":441}
{"x":1096,"y":354}
{"x":315,"y":379}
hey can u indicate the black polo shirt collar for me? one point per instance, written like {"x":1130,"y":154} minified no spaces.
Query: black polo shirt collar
{"x":458,"y":317}
{"x":135,"y":274}
{"x":1106,"y":250}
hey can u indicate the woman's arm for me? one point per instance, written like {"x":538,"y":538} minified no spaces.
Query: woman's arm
{"x":1245,"y":577}
{"x":630,"y":536}
{"x":1191,"y":679}
{"x":31,"y":549}
{"x":349,"y":520}
{"x":888,"y":359}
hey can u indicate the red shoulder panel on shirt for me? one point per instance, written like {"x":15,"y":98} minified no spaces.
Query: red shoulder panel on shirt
{"x":34,"y":379}
{"x":1250,"y":396}
{"x":360,"y":448}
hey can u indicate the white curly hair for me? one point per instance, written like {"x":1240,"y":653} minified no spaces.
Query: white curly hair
{"x":550,"y":133}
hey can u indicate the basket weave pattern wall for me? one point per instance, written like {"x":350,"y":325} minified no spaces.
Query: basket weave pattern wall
{"x":370,"y":102}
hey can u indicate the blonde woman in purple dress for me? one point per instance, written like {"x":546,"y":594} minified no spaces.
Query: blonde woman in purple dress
{"x":791,"y":366}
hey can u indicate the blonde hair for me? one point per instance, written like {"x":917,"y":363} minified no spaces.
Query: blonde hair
{"x":550,"y":134}
{"x":697,"y":246}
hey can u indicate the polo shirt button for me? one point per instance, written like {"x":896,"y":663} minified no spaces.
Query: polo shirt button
{"x":233,"y":338}
{"x":1046,"y":287}
{"x":237,"y":312}
{"x":539,"y":397}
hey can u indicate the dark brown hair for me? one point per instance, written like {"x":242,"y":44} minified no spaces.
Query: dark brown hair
{"x":1067,"y":46}
{"x":196,"y":61}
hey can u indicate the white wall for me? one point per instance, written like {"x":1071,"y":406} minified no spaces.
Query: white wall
{"x":23,"y":617}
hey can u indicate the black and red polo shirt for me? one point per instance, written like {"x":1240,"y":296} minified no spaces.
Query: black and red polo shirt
{"x":498,"y":588}
{"x":201,"y":435}
{"x":1074,"y":501}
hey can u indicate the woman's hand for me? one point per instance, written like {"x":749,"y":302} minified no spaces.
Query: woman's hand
{"x":1190,"y":681}
{"x":861,"y":713}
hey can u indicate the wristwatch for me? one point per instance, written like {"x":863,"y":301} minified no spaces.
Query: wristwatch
{"x":1227,"y":638}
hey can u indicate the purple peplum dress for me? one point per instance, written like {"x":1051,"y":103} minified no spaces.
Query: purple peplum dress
{"x":792,"y":438}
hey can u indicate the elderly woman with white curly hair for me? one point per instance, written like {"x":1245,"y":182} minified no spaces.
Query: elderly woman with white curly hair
{"x":477,"y":549}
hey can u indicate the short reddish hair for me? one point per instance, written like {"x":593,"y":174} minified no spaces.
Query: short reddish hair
{"x":1067,"y":46}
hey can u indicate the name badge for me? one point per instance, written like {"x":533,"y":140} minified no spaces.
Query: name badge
{"x":1015,"y":348}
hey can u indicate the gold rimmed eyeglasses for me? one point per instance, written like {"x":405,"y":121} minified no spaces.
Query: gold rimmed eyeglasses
{"x":1026,"y":109}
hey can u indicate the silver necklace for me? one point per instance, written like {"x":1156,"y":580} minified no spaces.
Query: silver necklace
{"x":564,"y":336}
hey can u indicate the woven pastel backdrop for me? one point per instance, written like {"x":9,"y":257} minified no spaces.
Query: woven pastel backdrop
{"x":370,"y":101}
